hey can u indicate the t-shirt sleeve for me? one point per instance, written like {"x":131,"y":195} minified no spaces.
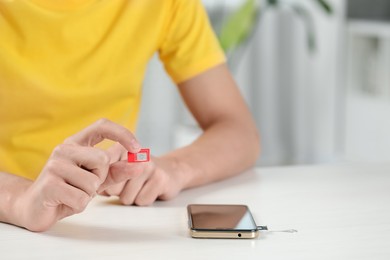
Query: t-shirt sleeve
{"x":189,"y":45}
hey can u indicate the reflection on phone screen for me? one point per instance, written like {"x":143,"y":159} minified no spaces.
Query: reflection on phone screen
{"x":221,"y":217}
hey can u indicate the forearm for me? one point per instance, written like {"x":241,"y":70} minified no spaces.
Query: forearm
{"x":230,"y":142}
{"x":11,"y":186}
{"x":226,"y":148}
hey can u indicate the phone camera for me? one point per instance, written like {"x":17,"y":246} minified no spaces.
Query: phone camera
{"x":239,"y":235}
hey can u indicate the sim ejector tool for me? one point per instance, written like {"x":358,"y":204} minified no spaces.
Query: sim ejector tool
{"x":265,"y":228}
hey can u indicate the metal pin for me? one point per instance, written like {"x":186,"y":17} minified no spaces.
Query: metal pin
{"x":285,"y":231}
{"x":265,"y":228}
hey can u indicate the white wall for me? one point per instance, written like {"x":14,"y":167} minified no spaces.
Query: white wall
{"x":368,"y":95}
{"x":297,"y":96}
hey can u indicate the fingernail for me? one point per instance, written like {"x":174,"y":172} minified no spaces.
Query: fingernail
{"x":135,"y":145}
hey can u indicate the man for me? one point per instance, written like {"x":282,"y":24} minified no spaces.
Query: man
{"x":70,"y":78}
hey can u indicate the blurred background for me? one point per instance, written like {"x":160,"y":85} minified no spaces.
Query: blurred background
{"x":315,"y":74}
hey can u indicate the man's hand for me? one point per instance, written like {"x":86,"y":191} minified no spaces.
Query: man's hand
{"x":71,"y":177}
{"x":141,"y":183}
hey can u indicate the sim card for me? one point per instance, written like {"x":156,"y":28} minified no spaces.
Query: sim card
{"x":142,"y":156}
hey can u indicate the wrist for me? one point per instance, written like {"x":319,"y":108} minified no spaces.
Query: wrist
{"x":13,"y":188}
{"x":178,"y":169}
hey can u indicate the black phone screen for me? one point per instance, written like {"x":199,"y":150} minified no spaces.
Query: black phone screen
{"x":220,"y":217}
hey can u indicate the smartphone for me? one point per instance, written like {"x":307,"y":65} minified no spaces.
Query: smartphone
{"x":221,"y":221}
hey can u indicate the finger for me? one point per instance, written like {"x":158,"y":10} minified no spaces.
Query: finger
{"x":93,"y":159}
{"x":131,"y":190}
{"x":121,"y":171}
{"x":117,"y":153}
{"x":74,"y":198}
{"x":79,"y":178}
{"x":105,"y":129}
{"x":114,"y":190}
{"x":149,"y":192}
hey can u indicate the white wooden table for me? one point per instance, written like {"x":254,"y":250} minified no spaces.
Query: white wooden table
{"x":340,"y":212}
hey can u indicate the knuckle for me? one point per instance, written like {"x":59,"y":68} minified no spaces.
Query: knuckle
{"x":83,"y":202}
{"x":63,"y":150}
{"x":96,"y":183}
{"x":68,"y":140}
{"x":59,"y":150}
{"x":104,"y":157}
{"x":102,"y":160}
{"x":52,"y":166}
{"x":102,"y":122}
{"x":159,"y":178}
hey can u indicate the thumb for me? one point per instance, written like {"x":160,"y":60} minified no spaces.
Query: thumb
{"x":121,"y":171}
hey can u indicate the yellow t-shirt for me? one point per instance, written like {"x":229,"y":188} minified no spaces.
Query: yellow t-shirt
{"x":64,"y":64}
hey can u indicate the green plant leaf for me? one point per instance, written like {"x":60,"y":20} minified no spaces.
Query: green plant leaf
{"x":309,"y":25}
{"x":238,"y":26}
{"x":273,"y":2}
{"x":325,"y":5}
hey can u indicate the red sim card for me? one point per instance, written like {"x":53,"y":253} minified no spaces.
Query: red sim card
{"x":142,"y":156}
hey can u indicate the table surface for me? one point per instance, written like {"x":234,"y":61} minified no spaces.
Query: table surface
{"x":340,"y":212}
